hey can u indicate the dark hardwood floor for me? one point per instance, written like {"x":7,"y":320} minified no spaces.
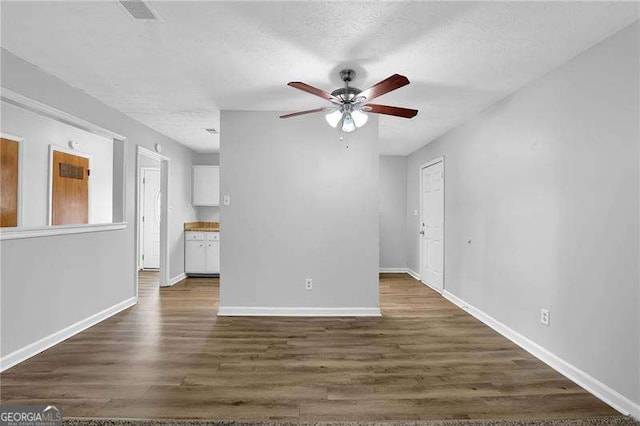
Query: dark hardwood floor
{"x":171,"y":357}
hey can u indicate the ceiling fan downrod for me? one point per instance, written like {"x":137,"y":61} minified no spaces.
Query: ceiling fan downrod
{"x":346,"y":93}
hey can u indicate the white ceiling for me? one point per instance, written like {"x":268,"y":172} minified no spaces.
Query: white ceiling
{"x":176,"y":74}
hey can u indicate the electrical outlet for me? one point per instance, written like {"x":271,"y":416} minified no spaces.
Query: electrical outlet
{"x":308,"y":284}
{"x":544,"y":316}
{"x":415,"y":212}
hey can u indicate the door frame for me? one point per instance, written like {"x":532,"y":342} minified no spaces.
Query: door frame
{"x":165,"y":280}
{"x":141,"y":230}
{"x":69,"y":151}
{"x":20,"y":173}
{"x":444,"y":228}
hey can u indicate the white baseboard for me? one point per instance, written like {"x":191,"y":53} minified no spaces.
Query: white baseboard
{"x":176,"y":279}
{"x":588,"y":382}
{"x":436,"y":289}
{"x":35,"y":348}
{"x":250,"y":311}
{"x":413,"y":273}
{"x":393,"y":270}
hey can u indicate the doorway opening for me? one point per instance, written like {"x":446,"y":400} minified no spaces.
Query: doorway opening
{"x":152,"y":251}
{"x":432,"y":224}
{"x":150,"y":215}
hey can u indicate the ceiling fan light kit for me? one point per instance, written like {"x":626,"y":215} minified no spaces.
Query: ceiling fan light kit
{"x":350,"y":105}
{"x":334,"y":117}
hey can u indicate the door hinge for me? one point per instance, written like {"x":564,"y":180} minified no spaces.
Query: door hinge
{"x":88,"y":172}
{"x":144,"y":180}
{"x":143,"y":257}
{"x":143,"y":218}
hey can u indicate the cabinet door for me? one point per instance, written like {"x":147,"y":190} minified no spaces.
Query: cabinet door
{"x":194,"y":257}
{"x":206,"y":186}
{"x":213,"y":257}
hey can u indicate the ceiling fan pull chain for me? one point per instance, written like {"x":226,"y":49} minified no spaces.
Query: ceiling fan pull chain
{"x":345,"y":138}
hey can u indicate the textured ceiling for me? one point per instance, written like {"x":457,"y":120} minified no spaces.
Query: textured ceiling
{"x":176,"y":74}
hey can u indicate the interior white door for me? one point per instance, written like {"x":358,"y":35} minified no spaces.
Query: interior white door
{"x":151,"y":214}
{"x":432,"y":225}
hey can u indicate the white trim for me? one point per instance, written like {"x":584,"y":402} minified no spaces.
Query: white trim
{"x":424,"y":166}
{"x":407,"y":271}
{"x":588,"y":382}
{"x":413,"y":273}
{"x":20,"y":174}
{"x":16,"y":99}
{"x":35,"y":348}
{"x":152,"y":154}
{"x":90,"y":194}
{"x":254,"y":311}
{"x":393,"y":271}
{"x":436,"y":289}
{"x":175,"y":280}
{"x":51,"y":231}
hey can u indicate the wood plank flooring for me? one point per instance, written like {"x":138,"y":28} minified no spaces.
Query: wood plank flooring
{"x":171,"y":357}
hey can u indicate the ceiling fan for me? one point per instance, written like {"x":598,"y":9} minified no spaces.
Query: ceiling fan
{"x":351,"y":105}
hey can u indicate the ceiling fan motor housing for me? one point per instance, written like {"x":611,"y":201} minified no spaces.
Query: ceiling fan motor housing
{"x":346,"y":93}
{"x":347,"y":75}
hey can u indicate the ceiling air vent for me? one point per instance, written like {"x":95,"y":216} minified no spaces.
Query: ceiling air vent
{"x":138,"y":9}
{"x":211,"y":130}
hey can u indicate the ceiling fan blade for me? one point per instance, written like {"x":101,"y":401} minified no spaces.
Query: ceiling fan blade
{"x":390,"y":110}
{"x":313,"y":90}
{"x":387,"y":85}
{"x":309,"y":111}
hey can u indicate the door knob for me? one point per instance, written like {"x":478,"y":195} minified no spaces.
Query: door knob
{"x":421,"y":232}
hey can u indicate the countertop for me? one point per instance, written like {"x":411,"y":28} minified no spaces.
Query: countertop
{"x":202,"y":226}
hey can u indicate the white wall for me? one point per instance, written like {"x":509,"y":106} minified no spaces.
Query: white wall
{"x":302,"y":206}
{"x":207,"y":213}
{"x":393,"y":201}
{"x":144,"y":161}
{"x":38,"y":133}
{"x":95,"y":270}
{"x":546,"y":184}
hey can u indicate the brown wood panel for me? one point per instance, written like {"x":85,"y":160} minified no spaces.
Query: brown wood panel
{"x":171,"y":357}
{"x":70,"y":189}
{"x":9,"y":172}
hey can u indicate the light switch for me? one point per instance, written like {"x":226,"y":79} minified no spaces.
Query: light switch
{"x":226,"y":200}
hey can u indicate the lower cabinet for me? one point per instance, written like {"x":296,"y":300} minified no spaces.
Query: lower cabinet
{"x":202,"y":252}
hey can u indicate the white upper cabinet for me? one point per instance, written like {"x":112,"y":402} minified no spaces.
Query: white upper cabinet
{"x":206,"y":185}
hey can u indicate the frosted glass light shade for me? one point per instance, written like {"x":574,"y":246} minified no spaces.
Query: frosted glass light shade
{"x":359,"y":118}
{"x":333,"y":118}
{"x":348,"y":125}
